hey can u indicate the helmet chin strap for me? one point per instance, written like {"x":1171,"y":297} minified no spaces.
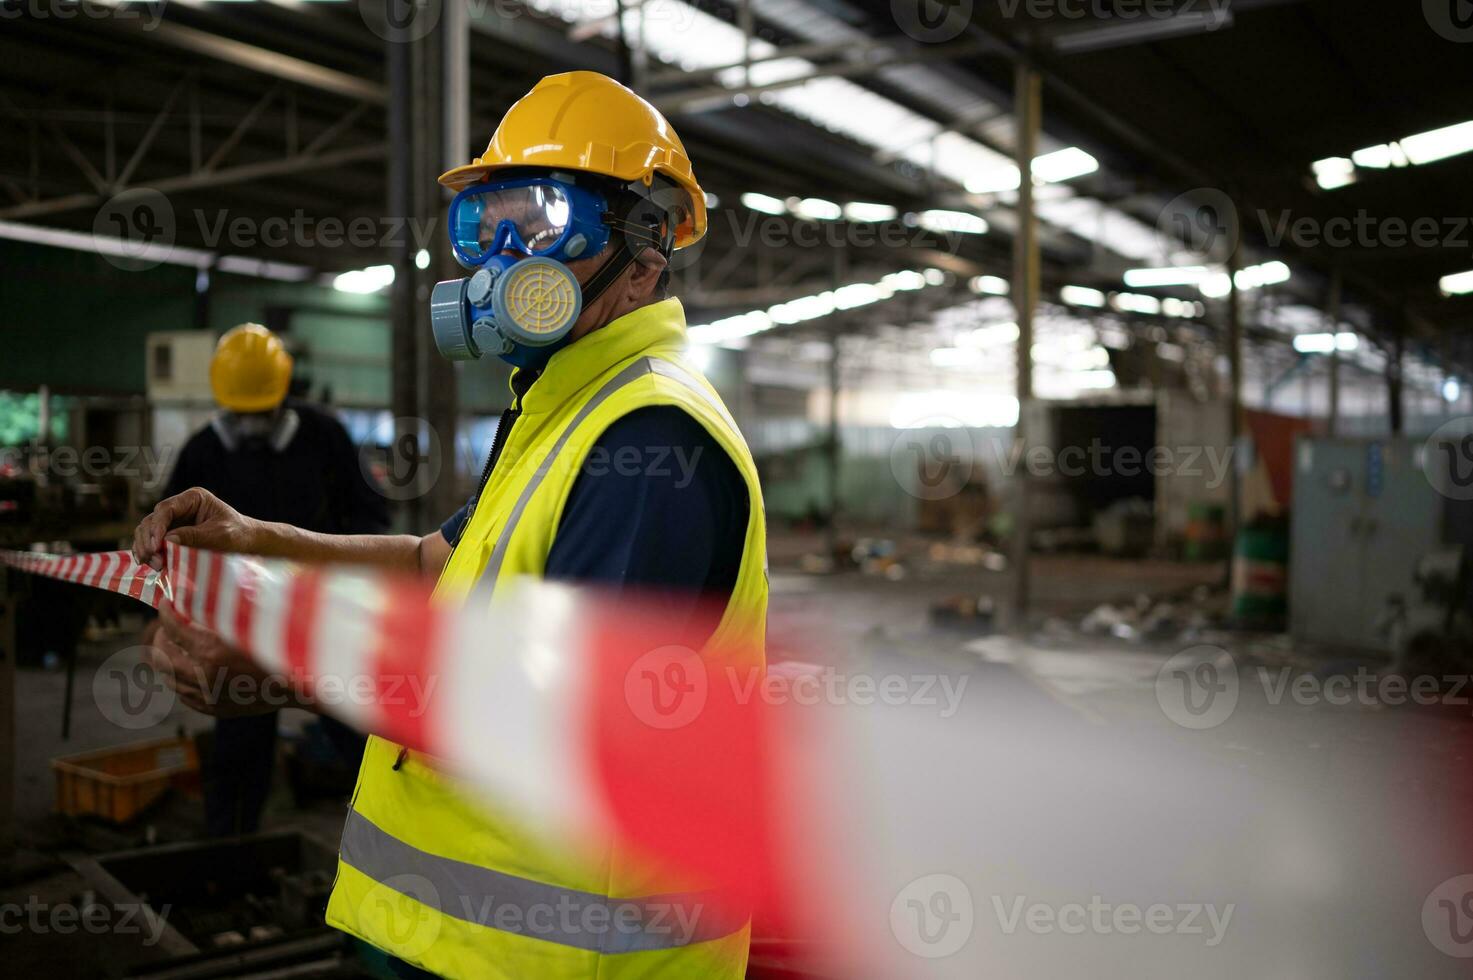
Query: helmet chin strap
{"x":621,"y":259}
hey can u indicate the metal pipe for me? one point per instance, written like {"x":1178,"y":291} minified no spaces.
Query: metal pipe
{"x":403,"y":373}
{"x":1333,"y":421}
{"x":1235,"y":389}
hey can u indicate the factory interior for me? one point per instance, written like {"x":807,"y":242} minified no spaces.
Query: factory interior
{"x":1095,"y":378}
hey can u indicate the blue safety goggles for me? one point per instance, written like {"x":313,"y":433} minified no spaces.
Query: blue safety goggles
{"x":533,"y":216}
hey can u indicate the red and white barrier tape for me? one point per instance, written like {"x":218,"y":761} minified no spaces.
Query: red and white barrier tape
{"x":1010,"y":838}
{"x":551,"y":675}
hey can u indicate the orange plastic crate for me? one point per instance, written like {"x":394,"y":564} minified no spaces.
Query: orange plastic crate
{"x":118,"y":783}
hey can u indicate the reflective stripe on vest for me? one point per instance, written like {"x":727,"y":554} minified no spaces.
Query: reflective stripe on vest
{"x":506,"y":902}
{"x":639,"y":369}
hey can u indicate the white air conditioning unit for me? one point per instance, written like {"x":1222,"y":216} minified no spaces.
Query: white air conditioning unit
{"x":178,"y":366}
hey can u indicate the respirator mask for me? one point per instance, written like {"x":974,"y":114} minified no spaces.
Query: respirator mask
{"x":521,"y":300}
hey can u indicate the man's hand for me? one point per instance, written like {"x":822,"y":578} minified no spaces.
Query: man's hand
{"x":195,"y":518}
{"x":210,"y":675}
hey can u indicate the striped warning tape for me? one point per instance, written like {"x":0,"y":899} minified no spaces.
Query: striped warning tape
{"x":557,"y":677}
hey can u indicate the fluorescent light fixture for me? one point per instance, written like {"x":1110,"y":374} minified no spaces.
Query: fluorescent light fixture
{"x":763,"y":203}
{"x":993,"y":181}
{"x":369,"y":280}
{"x":905,"y":279}
{"x":1082,"y":296}
{"x":712,"y":201}
{"x":992,"y":335}
{"x":1262,"y":275}
{"x":1439,"y":144}
{"x":1333,"y":172}
{"x":422,"y":259}
{"x":1172,"y":306}
{"x":1379,"y":157}
{"x":1324,"y":343}
{"x":154,"y":254}
{"x":1217,"y":285}
{"x":1457,"y":284}
{"x":1062,"y":165}
{"x":989,"y":285}
{"x":934,"y":277}
{"x":1135,"y":303}
{"x":952,"y":221}
{"x":817,"y":209}
{"x":729,"y":330}
{"x":1174,"y":276}
{"x":955,"y":356}
{"x":243,"y":265}
{"x":1451,"y":390}
{"x":1050,"y":168}
{"x":864,"y":211}
{"x":860,"y":294}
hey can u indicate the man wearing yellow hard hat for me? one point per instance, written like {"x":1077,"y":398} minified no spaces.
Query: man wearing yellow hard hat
{"x":275,"y":459}
{"x":616,"y":464}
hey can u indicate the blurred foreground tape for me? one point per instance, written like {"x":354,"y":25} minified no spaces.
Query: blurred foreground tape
{"x":1002,"y":833}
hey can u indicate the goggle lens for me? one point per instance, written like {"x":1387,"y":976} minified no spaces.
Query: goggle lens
{"x":539,"y":215}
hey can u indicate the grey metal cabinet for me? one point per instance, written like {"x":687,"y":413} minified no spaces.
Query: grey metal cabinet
{"x":1364,"y":514}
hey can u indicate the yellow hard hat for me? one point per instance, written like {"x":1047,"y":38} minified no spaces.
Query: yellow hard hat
{"x":251,"y":369}
{"x":581,"y":120}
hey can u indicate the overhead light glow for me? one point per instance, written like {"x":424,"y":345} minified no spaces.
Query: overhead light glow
{"x":763,"y":203}
{"x":422,"y":259}
{"x":1333,"y":172}
{"x":1135,"y":303}
{"x":369,"y":280}
{"x":700,"y":356}
{"x":1456,"y":284}
{"x":863,"y":211}
{"x":817,"y":209}
{"x":1379,"y":157}
{"x":1439,"y":144}
{"x":993,"y":335}
{"x":1172,"y":306}
{"x":1062,"y":165}
{"x":952,"y":221}
{"x":953,"y":357}
{"x":1050,"y":168}
{"x":989,"y":285}
{"x":1324,"y":343}
{"x":730,"y":331}
{"x":1082,"y":296}
{"x":1217,"y":285}
{"x":1176,"y":276}
{"x":1262,"y":275}
{"x":1451,"y":390}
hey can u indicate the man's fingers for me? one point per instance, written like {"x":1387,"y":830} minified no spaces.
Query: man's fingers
{"x":148,"y":537}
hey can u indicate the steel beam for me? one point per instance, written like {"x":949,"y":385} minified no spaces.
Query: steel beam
{"x":1027,"y":115}
{"x":716,"y":96}
{"x":201,"y":180}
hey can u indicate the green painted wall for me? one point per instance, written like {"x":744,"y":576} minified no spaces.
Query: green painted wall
{"x":77,"y":322}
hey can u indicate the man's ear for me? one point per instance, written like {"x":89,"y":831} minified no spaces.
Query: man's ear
{"x":644,"y":273}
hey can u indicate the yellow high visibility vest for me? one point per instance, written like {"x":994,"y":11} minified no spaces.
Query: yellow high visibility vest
{"x":450,"y":883}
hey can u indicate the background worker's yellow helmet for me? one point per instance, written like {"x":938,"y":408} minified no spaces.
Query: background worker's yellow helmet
{"x":584,"y":121}
{"x":251,"y":369}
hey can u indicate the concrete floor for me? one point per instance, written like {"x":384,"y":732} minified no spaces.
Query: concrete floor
{"x":1413,"y":754}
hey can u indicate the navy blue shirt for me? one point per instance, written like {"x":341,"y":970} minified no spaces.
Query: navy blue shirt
{"x":658,"y":504}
